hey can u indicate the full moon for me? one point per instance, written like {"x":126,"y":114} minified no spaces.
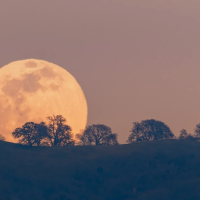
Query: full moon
{"x":31,"y":90}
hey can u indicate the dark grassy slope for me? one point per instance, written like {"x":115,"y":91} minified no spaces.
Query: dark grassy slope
{"x":168,"y":169}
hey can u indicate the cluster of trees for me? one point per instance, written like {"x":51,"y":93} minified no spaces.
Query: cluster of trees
{"x":184,"y":135}
{"x":56,"y":132}
{"x":149,"y":130}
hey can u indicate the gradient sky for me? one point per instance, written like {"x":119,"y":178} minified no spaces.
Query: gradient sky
{"x":134,"y":59}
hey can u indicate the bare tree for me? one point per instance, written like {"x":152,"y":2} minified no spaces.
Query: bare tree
{"x":59,"y":133}
{"x":97,"y":134}
{"x":149,"y":130}
{"x":31,"y":133}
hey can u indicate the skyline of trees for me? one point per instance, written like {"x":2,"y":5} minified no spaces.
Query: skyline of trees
{"x":56,"y":132}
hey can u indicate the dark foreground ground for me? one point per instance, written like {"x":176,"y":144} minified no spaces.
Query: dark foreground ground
{"x":165,"y":170}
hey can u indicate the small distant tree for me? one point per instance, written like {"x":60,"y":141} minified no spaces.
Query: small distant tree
{"x":149,"y":130}
{"x":186,"y":136}
{"x":97,"y":134}
{"x":2,"y":138}
{"x":197,"y":132}
{"x":31,"y":134}
{"x":183,"y":134}
{"x":59,"y":133}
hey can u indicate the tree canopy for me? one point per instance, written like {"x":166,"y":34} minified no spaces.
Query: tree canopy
{"x":97,"y":134}
{"x":148,"y":130}
{"x":31,"y":133}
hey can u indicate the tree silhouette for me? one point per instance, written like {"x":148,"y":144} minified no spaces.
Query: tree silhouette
{"x":186,"y":136}
{"x":2,"y":138}
{"x":183,"y":134}
{"x":97,"y":134}
{"x":149,"y":130}
{"x":31,"y":133}
{"x":197,"y":132}
{"x":59,"y":133}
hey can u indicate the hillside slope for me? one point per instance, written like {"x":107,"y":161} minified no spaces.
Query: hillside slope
{"x":160,"y":170}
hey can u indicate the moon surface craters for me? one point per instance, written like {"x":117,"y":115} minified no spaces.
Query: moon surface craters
{"x":29,"y":83}
{"x":47,"y":72}
{"x":30,"y":64}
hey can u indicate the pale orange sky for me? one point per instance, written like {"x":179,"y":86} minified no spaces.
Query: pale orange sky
{"x":134,"y":59}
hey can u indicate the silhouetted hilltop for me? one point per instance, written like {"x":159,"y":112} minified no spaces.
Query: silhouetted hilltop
{"x":165,"y":170}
